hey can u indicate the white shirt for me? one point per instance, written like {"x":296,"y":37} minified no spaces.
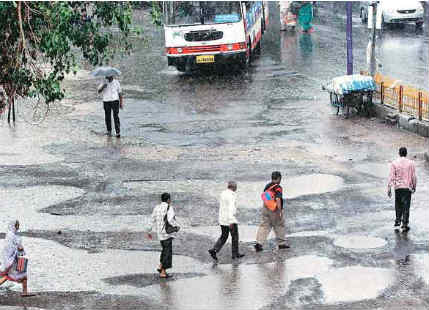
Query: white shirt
{"x":111,"y":91}
{"x":227,"y":208}
{"x":157,"y":223}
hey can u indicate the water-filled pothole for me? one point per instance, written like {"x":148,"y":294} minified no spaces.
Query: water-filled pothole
{"x":359,"y":242}
{"x":356,"y":283}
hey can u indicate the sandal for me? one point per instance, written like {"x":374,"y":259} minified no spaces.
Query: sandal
{"x":28,"y":295}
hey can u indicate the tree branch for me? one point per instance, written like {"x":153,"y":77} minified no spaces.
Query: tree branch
{"x":21,"y":29}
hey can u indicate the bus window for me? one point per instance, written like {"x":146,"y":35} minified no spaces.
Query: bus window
{"x":202,"y":12}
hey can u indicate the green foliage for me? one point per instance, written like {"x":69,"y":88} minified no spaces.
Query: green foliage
{"x":156,"y":12}
{"x":39,"y":42}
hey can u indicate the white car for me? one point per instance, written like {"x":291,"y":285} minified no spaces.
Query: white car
{"x":396,"y":11}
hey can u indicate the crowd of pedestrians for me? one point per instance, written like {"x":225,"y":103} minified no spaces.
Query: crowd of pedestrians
{"x":163,"y":222}
{"x":402,"y":178}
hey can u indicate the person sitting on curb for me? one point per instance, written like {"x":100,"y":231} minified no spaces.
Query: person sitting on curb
{"x":12,"y":248}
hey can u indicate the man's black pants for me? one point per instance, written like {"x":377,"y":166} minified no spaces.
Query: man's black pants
{"x":110,"y":106}
{"x":402,"y":205}
{"x":166,"y":258}
{"x":226,"y":230}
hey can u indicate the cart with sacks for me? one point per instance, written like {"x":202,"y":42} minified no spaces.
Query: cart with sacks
{"x":351,"y":91}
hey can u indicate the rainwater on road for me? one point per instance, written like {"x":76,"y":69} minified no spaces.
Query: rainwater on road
{"x":84,"y":199}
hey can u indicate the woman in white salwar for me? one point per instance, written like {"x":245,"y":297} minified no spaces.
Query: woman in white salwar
{"x":11,"y":248}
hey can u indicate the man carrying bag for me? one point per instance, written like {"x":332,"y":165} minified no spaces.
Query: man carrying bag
{"x":164,"y":221}
{"x":272,"y":214}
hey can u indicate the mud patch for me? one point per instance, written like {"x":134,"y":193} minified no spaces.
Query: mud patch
{"x":75,"y":300}
{"x":143,"y":280}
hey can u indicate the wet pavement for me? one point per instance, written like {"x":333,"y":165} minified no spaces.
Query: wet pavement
{"x":84,"y":199}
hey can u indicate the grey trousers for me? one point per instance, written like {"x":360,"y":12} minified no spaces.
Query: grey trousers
{"x":271,"y":220}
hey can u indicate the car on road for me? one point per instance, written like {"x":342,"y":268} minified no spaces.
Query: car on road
{"x":396,"y":12}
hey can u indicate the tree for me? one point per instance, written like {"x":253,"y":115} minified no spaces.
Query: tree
{"x":41,"y":41}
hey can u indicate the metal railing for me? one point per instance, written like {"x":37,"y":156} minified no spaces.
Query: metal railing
{"x":405,"y":99}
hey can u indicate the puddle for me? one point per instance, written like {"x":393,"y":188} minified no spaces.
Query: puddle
{"x":238,"y":286}
{"x":247,"y":233}
{"x":359,"y":242}
{"x":19,"y":308}
{"x":377,"y":170}
{"x":248,"y":193}
{"x":352,"y":284}
{"x":19,"y":147}
{"x":310,"y":233}
{"x":421,"y":263}
{"x":54,"y":266}
{"x":23,"y":204}
{"x":311,"y":184}
{"x":146,"y":279}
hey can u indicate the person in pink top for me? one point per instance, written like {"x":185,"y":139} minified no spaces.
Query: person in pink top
{"x":403,"y":179}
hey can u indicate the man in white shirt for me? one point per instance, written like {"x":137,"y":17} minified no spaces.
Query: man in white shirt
{"x":227,"y":222}
{"x":157,"y":224}
{"x":112,"y":101}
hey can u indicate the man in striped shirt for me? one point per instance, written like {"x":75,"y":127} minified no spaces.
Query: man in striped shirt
{"x":403,"y":179}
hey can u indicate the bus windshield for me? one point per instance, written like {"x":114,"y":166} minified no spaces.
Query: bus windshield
{"x":202,"y":12}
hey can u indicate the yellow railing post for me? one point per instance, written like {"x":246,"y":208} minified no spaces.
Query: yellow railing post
{"x":420,"y":106}
{"x":401,"y":92}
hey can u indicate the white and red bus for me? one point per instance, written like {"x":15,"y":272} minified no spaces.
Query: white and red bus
{"x":198,"y":33}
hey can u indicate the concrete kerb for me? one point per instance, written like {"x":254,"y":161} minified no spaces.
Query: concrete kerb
{"x":403,"y":121}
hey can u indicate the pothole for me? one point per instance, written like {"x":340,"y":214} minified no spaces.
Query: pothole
{"x":359,"y":242}
{"x":356,"y":283}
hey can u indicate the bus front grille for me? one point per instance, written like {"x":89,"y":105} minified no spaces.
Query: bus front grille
{"x":203,"y":35}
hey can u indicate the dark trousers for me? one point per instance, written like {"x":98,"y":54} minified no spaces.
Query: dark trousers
{"x":226,"y":230}
{"x":166,"y":258}
{"x":402,"y":205}
{"x":110,"y":106}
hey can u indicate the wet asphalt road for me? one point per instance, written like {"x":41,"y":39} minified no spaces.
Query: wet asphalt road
{"x":83,"y":199}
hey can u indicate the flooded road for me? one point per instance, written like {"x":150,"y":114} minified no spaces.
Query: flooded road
{"x":84,"y":199}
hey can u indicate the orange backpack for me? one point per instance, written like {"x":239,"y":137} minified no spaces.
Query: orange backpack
{"x":268,"y":197}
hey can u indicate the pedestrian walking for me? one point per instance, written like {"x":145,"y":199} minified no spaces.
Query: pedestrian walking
{"x":403,"y":179}
{"x":227,"y":221}
{"x":272,"y":218}
{"x":12,"y":255}
{"x":166,"y":227}
{"x":112,"y":101}
{"x":305,"y":17}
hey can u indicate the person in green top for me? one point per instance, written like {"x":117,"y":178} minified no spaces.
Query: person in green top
{"x":305,"y":16}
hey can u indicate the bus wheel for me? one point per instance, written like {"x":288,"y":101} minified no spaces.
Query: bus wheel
{"x":181,"y":67}
{"x":258,"y":48}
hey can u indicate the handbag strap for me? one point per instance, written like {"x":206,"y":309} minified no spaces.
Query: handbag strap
{"x":165,"y":217}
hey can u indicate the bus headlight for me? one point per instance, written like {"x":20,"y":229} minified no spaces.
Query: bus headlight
{"x":180,"y":50}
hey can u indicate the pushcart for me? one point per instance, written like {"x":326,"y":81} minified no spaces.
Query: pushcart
{"x":351,"y":91}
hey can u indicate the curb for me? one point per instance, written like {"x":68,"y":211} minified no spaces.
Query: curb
{"x":403,"y":121}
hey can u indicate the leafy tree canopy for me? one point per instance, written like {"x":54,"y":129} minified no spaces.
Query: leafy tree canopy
{"x":40,"y":42}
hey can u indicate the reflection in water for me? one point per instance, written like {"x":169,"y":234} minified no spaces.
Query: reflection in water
{"x":402,"y":249}
{"x":306,"y":45}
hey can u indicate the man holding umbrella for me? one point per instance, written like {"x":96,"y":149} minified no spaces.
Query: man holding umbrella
{"x":112,"y":98}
